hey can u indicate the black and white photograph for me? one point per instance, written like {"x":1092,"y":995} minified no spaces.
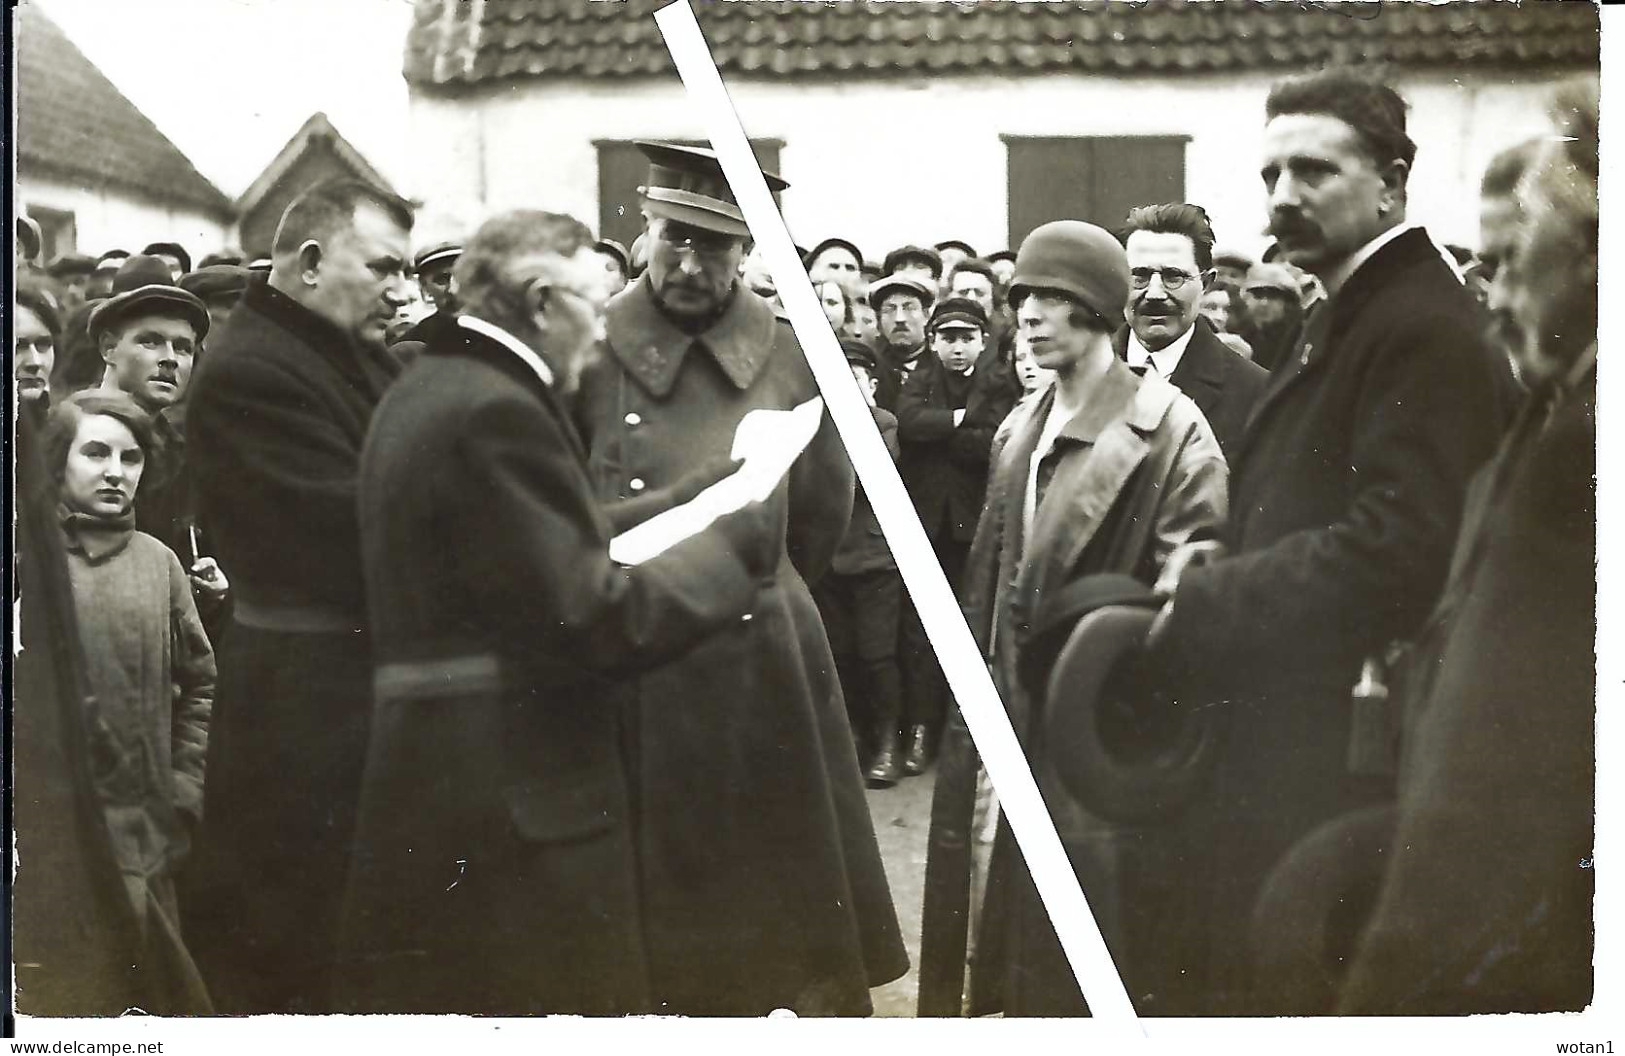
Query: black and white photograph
{"x":454,"y":575}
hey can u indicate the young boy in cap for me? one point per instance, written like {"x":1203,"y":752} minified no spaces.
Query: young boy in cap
{"x":751,"y":808}
{"x":860,"y":599}
{"x":947,"y":413}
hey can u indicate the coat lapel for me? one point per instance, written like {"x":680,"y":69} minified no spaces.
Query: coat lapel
{"x":1087,"y":482}
{"x":652,"y":348}
{"x":1200,"y":374}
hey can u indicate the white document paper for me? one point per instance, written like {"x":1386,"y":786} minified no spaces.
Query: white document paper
{"x":768,"y":441}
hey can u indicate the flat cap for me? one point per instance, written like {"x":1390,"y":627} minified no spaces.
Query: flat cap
{"x":436,"y":253}
{"x":829,"y":243}
{"x":889,"y":284}
{"x":957,"y":312}
{"x":897,"y":257}
{"x":214,"y":280}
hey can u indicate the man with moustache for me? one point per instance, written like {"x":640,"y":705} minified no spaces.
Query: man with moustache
{"x":1170,"y":264}
{"x":900,"y":303}
{"x":149,"y":333}
{"x":1486,"y":902}
{"x":496,"y":842}
{"x":762,"y":882}
{"x":278,"y":414}
{"x":1346,"y":491}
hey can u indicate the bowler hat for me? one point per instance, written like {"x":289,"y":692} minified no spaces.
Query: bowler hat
{"x":687,"y":184}
{"x":437,"y":253}
{"x":812,"y":254}
{"x":215,"y":280}
{"x":1079,"y":260}
{"x":142,"y":286}
{"x":957,"y":312}
{"x":899,"y":283}
{"x":896,"y":257}
{"x":171,"y":249}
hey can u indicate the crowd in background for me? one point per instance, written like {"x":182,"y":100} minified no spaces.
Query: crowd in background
{"x":1298,"y":523}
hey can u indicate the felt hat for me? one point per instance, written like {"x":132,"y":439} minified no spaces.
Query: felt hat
{"x":141,"y":286}
{"x":171,"y":249}
{"x":215,"y":280}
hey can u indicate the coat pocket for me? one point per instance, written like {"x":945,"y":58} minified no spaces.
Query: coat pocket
{"x":563,"y":815}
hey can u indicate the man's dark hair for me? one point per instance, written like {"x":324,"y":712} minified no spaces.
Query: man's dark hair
{"x":63,"y":424}
{"x":330,"y":207}
{"x":979,"y":266}
{"x":1175,"y":218}
{"x":1371,"y":108}
{"x":1502,"y":174}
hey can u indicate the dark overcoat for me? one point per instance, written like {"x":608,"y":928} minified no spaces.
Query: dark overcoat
{"x":761,"y":879}
{"x":864,"y":548}
{"x":1346,"y":493}
{"x":495,"y":869}
{"x":1224,"y":385}
{"x":943,"y":465}
{"x":1132,"y":476}
{"x":279,"y":410}
{"x":1486,"y":903}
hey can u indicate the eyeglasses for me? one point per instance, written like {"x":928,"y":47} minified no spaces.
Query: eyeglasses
{"x":1172,"y":278}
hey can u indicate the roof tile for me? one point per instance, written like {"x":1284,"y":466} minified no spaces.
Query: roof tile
{"x":72,"y":121}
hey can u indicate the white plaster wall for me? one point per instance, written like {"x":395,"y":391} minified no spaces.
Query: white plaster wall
{"x":921,"y":160}
{"x":106,"y":218}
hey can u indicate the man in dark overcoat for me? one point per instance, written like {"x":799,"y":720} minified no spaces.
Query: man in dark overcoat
{"x":279,"y":410}
{"x":1170,"y":259}
{"x":1346,"y":492}
{"x":948,"y":410}
{"x":762,"y":882}
{"x":1486,"y":903}
{"x":495,"y":869}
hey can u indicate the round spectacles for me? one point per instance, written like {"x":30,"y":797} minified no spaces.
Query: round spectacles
{"x":1172,"y":278}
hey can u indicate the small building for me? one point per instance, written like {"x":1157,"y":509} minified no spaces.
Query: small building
{"x":315,"y":154}
{"x":92,"y":170}
{"x":916,"y":122}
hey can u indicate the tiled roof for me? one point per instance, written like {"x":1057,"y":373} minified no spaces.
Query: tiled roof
{"x":467,"y":42}
{"x":73,"y":123}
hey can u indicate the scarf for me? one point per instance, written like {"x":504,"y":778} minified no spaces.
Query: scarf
{"x":98,"y":538}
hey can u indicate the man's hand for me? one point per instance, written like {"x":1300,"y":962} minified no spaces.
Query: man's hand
{"x":208,"y":582}
{"x":1190,"y":555}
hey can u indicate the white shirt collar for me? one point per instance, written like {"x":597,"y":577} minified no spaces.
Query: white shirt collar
{"x":1345,"y":271}
{"x":1165,"y":359}
{"x":526,"y":354}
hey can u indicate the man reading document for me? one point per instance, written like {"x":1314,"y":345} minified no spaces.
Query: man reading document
{"x":495,"y":869}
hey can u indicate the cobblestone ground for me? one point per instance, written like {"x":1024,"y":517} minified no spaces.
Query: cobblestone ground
{"x":902,"y":816}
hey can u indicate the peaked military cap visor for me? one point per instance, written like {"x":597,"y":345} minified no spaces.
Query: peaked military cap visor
{"x":687,"y":184}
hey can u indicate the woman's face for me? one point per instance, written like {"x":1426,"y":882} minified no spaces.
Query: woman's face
{"x":1215,"y":308}
{"x":1033,"y":377}
{"x":833,"y":299}
{"x":103,"y":468}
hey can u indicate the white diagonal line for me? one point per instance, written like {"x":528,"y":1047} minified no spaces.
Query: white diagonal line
{"x":939,"y":610}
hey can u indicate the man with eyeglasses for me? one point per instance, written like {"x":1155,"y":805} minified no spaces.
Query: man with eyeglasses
{"x":1170,"y":259}
{"x":761,"y":881}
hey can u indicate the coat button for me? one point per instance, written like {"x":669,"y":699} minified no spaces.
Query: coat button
{"x":636,"y":483}
{"x":745,"y":618}
{"x":633,"y":418}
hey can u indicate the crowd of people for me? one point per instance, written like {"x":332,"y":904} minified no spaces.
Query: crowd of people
{"x":372,"y":720}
